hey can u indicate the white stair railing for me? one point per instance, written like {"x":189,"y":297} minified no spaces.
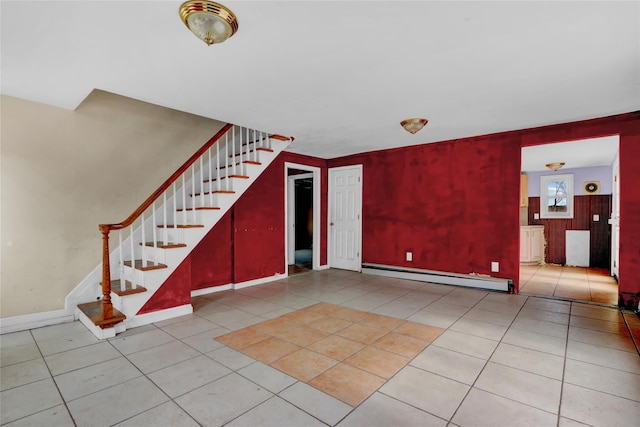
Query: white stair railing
{"x":194,"y":186}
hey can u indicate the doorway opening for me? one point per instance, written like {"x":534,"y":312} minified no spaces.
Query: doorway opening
{"x":302,"y":188}
{"x":568,"y":220}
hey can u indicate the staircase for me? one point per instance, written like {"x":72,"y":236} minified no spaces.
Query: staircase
{"x":152,"y":242}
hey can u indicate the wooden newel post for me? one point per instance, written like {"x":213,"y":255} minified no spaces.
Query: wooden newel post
{"x":107,"y":307}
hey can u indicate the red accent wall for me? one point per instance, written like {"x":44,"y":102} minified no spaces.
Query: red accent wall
{"x":247,"y":243}
{"x":454,"y":204}
{"x":629,"y":270}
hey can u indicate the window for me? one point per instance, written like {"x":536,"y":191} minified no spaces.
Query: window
{"x":556,"y":196}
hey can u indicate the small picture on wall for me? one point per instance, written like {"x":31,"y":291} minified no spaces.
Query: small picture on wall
{"x":591,"y":187}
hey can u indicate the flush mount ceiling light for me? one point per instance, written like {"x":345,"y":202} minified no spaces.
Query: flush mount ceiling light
{"x":555,"y":165}
{"x":210,"y":22}
{"x":413,"y":125}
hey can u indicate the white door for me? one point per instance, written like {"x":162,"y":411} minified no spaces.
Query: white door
{"x":345,"y":212}
{"x":615,"y":220}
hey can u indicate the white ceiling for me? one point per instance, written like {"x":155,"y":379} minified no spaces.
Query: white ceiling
{"x":339,"y":76}
{"x":575,"y":154}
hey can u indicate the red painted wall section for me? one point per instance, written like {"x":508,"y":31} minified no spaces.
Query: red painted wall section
{"x":454,"y":204}
{"x":211,"y":264}
{"x":246,"y":244}
{"x":258,"y":239}
{"x":629,"y":270}
{"x":175,"y":291}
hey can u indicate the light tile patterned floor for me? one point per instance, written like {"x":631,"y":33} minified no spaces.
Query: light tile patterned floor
{"x":344,"y":352}
{"x":572,"y":283}
{"x":502,"y":360}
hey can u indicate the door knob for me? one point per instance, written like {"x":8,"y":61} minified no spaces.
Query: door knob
{"x":331,"y":224}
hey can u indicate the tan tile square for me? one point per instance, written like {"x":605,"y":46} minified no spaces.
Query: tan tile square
{"x":347,"y":383}
{"x":270,"y":350}
{"x":361,"y":333}
{"x":330,"y":325}
{"x":419,"y":331}
{"x":378,"y":362}
{"x":304,"y":364}
{"x":274,"y":326}
{"x":303,"y":335}
{"x":241,"y":338}
{"x":401,"y":344}
{"x":336,"y":347}
{"x":350,"y":314}
{"x":382,"y":322}
{"x":302,"y":317}
{"x":323,"y":308}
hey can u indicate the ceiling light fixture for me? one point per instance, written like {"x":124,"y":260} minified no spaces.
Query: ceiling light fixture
{"x":210,"y":22}
{"x":413,"y":125}
{"x":555,"y":165}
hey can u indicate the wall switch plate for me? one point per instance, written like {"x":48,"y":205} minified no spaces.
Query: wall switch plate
{"x":536,"y":216}
{"x":495,"y":266}
{"x":409,"y":256}
{"x":596,"y":218}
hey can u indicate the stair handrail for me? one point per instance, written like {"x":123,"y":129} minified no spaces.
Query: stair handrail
{"x":107,"y":306}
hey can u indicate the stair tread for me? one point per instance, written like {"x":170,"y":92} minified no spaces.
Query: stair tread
{"x":150,"y":265}
{"x":213,"y":192}
{"x":249,"y":162}
{"x":169,"y":245}
{"x":129,"y":288}
{"x":268,"y":150}
{"x":200,"y":208}
{"x":224,"y":177}
{"x":93,"y":310}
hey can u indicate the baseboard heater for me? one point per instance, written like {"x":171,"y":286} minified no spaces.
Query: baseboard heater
{"x":440,"y":277}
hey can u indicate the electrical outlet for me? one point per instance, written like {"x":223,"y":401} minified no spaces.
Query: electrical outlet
{"x":536,"y":216}
{"x":495,"y":266}
{"x":409,"y":256}
{"x":596,"y":218}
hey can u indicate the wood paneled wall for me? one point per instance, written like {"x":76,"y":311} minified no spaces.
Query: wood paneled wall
{"x":584,"y":208}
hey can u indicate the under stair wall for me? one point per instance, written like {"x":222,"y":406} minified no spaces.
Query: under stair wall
{"x":245,"y":155}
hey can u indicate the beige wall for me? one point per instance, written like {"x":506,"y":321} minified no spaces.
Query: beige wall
{"x":64,"y":172}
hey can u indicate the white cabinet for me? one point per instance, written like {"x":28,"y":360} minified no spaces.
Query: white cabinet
{"x":531,"y":244}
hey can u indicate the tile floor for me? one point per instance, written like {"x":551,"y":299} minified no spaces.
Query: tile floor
{"x":344,"y":352}
{"x":501,"y":360}
{"x":573,"y":283}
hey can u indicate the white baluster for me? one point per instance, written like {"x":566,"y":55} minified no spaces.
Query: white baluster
{"x":252,"y":154}
{"x":155,"y":228}
{"x":226,"y":158}
{"x":217,"y":157}
{"x":165,"y":238}
{"x":210,"y":177}
{"x":193,"y":191}
{"x":133,"y":253}
{"x":184,"y":201}
{"x":175,"y":212}
{"x":144,"y":243}
{"x":233,"y":152}
{"x":121,"y":264}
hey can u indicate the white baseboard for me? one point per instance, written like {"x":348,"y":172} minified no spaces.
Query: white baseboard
{"x":210,"y":290}
{"x":35,"y":320}
{"x":157,"y":316}
{"x":260,"y":281}
{"x":323,"y":267}
{"x":440,"y":277}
